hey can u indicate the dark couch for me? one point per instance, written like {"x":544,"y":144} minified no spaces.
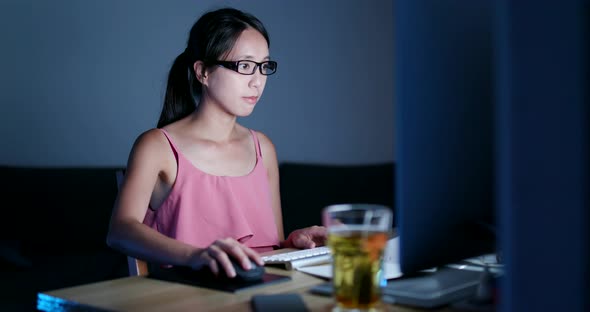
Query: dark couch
{"x":55,"y":226}
{"x":307,"y":188}
{"x":56,"y":220}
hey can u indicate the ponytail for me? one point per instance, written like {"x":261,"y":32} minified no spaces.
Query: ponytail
{"x":181,"y":91}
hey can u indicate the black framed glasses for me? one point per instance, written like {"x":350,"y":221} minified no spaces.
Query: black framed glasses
{"x":245,"y":67}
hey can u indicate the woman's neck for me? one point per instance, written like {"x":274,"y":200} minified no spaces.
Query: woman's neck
{"x":212,"y":123}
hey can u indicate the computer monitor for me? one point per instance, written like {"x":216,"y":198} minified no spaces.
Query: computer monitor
{"x":444,"y":140}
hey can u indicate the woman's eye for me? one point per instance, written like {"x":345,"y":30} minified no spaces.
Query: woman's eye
{"x":244,"y":66}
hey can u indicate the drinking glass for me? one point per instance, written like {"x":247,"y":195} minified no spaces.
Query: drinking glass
{"x":357,"y":237}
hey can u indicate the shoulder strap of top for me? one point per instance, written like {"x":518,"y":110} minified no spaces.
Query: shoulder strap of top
{"x":256,"y":143}
{"x":174,"y":149}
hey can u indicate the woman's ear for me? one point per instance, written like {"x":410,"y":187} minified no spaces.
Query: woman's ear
{"x":201,"y":72}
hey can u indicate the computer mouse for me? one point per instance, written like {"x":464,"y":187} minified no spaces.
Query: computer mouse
{"x":254,"y":274}
{"x":205,"y":274}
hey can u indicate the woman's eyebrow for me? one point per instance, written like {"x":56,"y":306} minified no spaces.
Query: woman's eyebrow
{"x":250,"y":57}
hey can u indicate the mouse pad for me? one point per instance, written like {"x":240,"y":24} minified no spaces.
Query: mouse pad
{"x":206,"y":279}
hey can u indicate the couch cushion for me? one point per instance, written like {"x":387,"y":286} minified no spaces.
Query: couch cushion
{"x":57,"y":210}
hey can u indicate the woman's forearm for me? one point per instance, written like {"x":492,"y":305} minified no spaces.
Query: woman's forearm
{"x":140,"y":241}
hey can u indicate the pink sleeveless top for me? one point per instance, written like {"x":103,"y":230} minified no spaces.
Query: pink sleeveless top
{"x":202,"y":207}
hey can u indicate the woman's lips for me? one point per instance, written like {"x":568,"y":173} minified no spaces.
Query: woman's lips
{"x":251,"y":99}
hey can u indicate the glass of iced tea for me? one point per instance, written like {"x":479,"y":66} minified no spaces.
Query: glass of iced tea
{"x":357,"y":236}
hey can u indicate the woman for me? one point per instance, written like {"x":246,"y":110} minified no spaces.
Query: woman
{"x":201,"y":188}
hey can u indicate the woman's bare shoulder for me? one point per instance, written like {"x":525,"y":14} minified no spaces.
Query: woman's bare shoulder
{"x":151,"y":139}
{"x":266,"y":145}
{"x":150,"y":146}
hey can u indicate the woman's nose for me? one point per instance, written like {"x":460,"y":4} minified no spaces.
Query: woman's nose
{"x":256,"y":79}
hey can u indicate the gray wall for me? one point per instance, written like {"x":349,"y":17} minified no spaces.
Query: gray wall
{"x":82,"y":79}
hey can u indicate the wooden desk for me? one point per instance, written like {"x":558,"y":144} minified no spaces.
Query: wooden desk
{"x":145,"y":294}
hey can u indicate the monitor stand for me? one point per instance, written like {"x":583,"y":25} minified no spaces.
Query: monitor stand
{"x":484,"y":299}
{"x":466,"y":288}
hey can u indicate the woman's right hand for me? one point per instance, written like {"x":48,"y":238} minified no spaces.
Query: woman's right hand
{"x":217,"y":256}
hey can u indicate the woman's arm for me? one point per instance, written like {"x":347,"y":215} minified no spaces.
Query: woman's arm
{"x":148,"y":161}
{"x":269,"y":156}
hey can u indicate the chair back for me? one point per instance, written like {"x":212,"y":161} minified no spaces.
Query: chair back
{"x":136,"y":267}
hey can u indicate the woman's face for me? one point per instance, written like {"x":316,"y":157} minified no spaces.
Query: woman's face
{"x":234,"y":92}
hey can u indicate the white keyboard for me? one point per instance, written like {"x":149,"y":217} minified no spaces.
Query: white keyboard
{"x":294,"y":259}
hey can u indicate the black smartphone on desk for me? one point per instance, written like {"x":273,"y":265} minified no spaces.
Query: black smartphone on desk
{"x":324,"y":289}
{"x":278,"y":302}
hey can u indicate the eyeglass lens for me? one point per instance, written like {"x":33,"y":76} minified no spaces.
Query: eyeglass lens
{"x":249,"y":67}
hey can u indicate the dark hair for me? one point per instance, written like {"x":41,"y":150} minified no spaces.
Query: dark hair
{"x":211,"y":38}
